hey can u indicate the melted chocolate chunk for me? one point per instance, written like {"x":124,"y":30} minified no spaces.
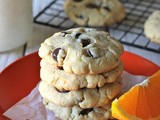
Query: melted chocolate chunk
{"x":86,"y":111}
{"x":77,"y":35}
{"x":77,"y":0}
{"x":107,"y":8}
{"x":92,"y":6}
{"x":85,"y":42}
{"x":63,"y":34}
{"x":55,"y":53}
{"x":89,"y":53}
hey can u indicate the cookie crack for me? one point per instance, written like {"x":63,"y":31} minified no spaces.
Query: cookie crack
{"x":62,"y":90}
{"x":105,"y":75}
{"x":102,"y":95}
{"x":87,"y":21}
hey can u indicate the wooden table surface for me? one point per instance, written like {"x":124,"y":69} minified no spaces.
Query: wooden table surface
{"x":42,"y":32}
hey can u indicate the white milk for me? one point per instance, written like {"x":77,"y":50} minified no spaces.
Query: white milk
{"x":15,"y":23}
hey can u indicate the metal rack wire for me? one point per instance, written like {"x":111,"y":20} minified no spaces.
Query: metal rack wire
{"x":129,"y":31}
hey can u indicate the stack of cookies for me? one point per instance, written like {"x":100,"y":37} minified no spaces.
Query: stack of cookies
{"x":80,"y":72}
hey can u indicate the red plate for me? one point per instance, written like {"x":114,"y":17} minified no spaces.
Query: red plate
{"x":18,"y":79}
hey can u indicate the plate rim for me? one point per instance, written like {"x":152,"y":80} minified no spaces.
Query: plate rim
{"x":36,"y":53}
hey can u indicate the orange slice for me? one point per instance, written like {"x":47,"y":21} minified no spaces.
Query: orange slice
{"x":141,"y":102}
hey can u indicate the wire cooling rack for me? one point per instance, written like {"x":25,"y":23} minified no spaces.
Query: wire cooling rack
{"x":129,"y":31}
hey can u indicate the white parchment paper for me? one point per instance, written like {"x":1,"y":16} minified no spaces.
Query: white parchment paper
{"x":32,"y":108}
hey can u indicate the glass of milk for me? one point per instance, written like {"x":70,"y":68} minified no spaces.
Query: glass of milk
{"x":15,"y":23}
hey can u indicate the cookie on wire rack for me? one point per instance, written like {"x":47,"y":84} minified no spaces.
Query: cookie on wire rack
{"x":94,"y":12}
{"x":152,"y":27}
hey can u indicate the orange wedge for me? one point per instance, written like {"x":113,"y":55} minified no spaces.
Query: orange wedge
{"x":141,"y":102}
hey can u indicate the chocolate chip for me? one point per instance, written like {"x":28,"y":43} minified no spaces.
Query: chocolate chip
{"x":63,"y":34}
{"x":92,"y":6}
{"x":97,"y":88}
{"x":105,"y":76}
{"x":85,"y":42}
{"x":86,"y":111}
{"x":60,"y":68}
{"x":77,"y":35}
{"x":107,"y":8}
{"x":89,"y":53}
{"x":80,"y":16}
{"x":55,"y":53}
{"x":94,"y":52}
{"x":77,"y":0}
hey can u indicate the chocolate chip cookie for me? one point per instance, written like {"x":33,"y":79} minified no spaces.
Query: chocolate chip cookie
{"x":94,"y":12}
{"x":152,"y":27}
{"x":85,"y":98}
{"x":66,"y":81}
{"x":77,"y":113}
{"x":82,"y":51}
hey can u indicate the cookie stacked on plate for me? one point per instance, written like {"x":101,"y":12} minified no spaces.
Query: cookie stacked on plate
{"x":80,"y":72}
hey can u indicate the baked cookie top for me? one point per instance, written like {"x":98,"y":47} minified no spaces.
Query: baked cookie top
{"x":82,"y":51}
{"x":67,"y":81}
{"x":152,"y":27}
{"x":94,"y":12}
{"x":85,"y":98}
{"x":77,"y":113}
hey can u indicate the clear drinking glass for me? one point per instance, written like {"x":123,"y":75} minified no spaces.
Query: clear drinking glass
{"x":15,"y":23}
